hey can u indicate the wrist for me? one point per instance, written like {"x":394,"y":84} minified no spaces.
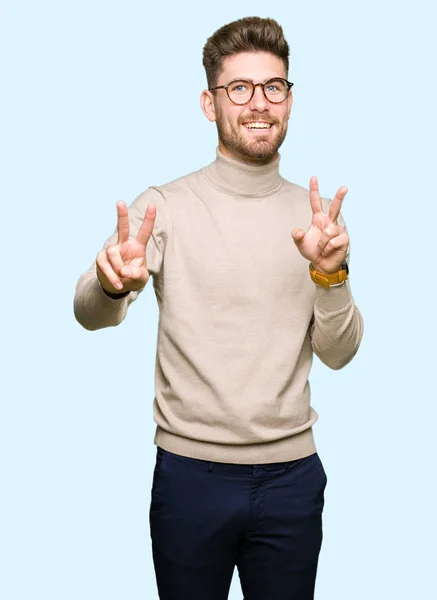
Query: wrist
{"x":319,"y":269}
{"x":329,"y":279}
{"x":114,"y":296}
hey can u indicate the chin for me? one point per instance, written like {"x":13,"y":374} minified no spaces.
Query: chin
{"x":261,"y":156}
{"x":260,"y":150}
{"x":263,"y":148}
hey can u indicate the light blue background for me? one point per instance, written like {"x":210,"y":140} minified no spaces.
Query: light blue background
{"x":82,"y":127}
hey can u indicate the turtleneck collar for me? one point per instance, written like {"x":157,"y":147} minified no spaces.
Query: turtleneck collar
{"x":241,"y":179}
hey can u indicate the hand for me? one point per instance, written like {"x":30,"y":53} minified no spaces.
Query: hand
{"x":122,"y":267}
{"x":325,"y":243}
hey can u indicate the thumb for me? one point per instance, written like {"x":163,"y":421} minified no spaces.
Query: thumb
{"x":298,"y":236}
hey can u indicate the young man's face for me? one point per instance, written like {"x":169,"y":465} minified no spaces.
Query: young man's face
{"x":236,"y":140}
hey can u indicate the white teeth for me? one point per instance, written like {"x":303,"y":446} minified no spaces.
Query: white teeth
{"x":257,"y":125}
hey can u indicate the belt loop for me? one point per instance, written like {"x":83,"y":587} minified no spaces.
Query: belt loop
{"x":210,"y":467}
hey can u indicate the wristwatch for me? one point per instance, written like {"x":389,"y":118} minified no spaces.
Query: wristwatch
{"x":328,"y":280}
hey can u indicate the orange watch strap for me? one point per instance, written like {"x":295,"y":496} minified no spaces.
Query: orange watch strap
{"x":326,"y":280}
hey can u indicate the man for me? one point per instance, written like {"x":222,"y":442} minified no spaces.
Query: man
{"x":250,"y":275}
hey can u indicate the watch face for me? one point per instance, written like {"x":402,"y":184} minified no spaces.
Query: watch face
{"x":345,"y":267}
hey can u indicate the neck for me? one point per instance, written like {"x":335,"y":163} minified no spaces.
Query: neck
{"x":244,"y":179}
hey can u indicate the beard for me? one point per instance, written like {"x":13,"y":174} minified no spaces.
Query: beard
{"x":262,"y":148}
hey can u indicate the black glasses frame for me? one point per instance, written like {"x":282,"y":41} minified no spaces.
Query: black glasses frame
{"x":254,"y":86}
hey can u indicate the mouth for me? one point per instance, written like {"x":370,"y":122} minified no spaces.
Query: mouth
{"x":258,"y":125}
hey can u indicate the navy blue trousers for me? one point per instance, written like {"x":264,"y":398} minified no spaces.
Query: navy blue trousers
{"x":208,"y":517}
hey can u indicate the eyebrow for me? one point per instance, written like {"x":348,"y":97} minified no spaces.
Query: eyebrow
{"x":252,"y":81}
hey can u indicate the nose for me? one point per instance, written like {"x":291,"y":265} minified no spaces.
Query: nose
{"x":259,"y":101}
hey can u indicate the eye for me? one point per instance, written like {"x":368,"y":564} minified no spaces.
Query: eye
{"x":277,"y":86}
{"x":238,"y":87}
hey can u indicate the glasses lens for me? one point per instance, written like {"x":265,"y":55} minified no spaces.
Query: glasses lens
{"x":240,"y":91}
{"x":276,"y":90}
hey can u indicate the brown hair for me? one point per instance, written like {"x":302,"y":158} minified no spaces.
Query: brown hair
{"x":250,"y":34}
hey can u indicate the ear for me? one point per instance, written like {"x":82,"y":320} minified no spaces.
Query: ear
{"x":207,"y":105}
{"x":290,"y":103}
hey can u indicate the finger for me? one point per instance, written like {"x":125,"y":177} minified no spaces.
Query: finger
{"x":107,"y":271}
{"x":146,"y":228}
{"x":339,"y":242}
{"x":327,"y":234}
{"x":122,"y":222}
{"x":335,"y":205}
{"x":315,"y":200}
{"x":139,"y":261}
{"x":114,"y":257}
{"x":133,"y":272}
{"x":298,"y":236}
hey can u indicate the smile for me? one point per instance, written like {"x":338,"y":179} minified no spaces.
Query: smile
{"x":258,"y":125}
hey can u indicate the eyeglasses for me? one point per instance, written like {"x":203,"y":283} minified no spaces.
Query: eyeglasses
{"x":241,"y":91}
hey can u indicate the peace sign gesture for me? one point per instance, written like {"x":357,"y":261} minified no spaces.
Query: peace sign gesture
{"x":122,"y":267}
{"x":326,"y":242}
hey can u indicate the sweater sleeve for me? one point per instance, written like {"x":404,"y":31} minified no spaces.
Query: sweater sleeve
{"x":93,"y":309}
{"x":336,"y":328}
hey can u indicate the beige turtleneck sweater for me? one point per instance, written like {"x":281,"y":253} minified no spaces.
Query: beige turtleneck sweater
{"x":239,"y":318}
